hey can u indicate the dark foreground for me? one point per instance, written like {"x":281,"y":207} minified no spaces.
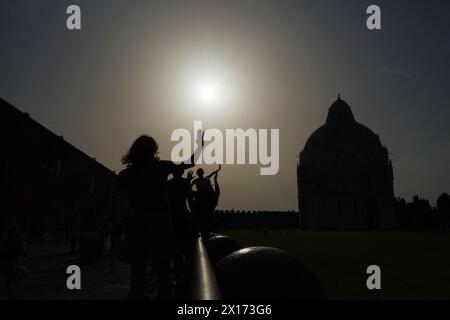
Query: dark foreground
{"x":414,"y":265}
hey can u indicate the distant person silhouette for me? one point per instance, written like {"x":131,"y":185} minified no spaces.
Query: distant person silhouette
{"x":203,"y":184}
{"x":150,"y":236}
{"x":206,"y":199}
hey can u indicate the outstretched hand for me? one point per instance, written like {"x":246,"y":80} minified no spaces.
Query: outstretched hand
{"x":216,"y":173}
{"x":197,"y":151}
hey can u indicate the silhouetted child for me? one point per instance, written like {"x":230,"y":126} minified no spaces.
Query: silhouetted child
{"x":202,"y":183}
{"x":205,"y":200}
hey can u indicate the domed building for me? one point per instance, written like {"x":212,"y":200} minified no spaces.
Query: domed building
{"x":344,"y":176}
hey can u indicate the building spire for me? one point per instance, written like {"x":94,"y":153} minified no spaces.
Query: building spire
{"x":339,"y":96}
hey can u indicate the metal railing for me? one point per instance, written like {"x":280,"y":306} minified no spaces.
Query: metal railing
{"x":204,"y":279}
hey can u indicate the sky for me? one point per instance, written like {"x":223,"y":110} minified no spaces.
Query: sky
{"x":134,"y":66}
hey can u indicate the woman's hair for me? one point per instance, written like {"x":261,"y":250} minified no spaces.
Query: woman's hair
{"x":143,"y":150}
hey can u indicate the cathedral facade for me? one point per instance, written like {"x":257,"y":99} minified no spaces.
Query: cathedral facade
{"x":345,"y":177}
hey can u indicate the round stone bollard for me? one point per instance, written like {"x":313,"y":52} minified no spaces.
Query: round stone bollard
{"x":219,"y":247}
{"x":211,"y":235}
{"x":267,"y":273}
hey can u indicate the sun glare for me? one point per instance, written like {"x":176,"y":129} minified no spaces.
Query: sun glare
{"x":206,"y":90}
{"x":207,"y":93}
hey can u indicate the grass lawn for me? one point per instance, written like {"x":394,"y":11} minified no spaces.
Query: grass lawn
{"x":414,"y":265}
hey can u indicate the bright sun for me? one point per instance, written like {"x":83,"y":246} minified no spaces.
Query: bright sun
{"x":207,"y":93}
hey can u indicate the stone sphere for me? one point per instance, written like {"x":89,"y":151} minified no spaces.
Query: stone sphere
{"x":266,"y":273}
{"x":211,"y":235}
{"x":219,"y":247}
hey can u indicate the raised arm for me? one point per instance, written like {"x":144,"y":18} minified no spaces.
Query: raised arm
{"x":216,"y":184}
{"x":196,"y":154}
{"x":215,"y":172}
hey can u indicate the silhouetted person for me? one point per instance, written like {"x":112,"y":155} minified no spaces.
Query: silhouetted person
{"x":178,"y":193}
{"x":150,"y":236}
{"x":206,"y":199}
{"x":202,"y":183}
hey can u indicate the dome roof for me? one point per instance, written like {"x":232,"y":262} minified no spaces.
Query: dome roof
{"x":339,"y":113}
{"x":341,"y":128}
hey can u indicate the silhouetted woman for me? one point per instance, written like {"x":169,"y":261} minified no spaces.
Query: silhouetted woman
{"x":150,"y":236}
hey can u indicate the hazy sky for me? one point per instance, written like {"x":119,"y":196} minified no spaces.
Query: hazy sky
{"x":280,"y":64}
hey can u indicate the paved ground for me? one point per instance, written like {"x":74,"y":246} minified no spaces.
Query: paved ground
{"x":47,"y":263}
{"x":415,"y":265}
